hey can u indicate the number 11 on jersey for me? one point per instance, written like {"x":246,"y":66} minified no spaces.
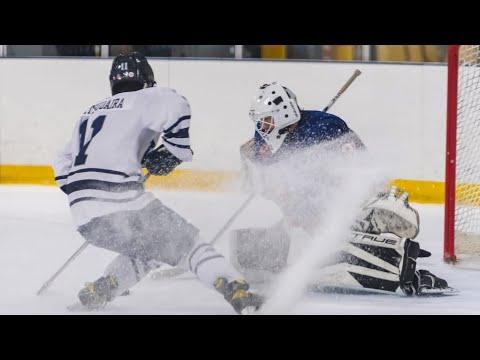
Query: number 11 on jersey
{"x":96,"y":126}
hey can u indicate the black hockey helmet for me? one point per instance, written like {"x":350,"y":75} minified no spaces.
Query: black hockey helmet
{"x":130,"y":73}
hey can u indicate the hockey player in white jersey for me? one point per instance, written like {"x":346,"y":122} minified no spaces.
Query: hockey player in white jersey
{"x":292,"y":160}
{"x":100,"y":169}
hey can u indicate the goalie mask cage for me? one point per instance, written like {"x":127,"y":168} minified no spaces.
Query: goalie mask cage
{"x":462,"y":178}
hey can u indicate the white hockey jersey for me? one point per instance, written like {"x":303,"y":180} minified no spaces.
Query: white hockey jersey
{"x":100,"y":168}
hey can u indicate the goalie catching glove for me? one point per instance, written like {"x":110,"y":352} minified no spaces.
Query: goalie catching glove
{"x":160,"y":162}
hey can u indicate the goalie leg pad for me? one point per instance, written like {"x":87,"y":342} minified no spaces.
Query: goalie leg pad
{"x":259,"y":253}
{"x":374,"y":262}
{"x":382,"y":262}
{"x":369,"y":262}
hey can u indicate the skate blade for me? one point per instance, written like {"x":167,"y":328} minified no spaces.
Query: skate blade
{"x":439,"y":292}
{"x":167,"y":274}
{"x":80,"y":308}
{"x":250,"y":310}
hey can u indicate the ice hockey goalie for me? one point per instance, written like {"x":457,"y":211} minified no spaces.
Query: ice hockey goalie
{"x":381,"y":252}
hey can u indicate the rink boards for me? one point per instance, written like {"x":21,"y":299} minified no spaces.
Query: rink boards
{"x":398,"y":111}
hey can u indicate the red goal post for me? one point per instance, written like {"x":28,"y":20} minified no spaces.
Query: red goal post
{"x":450,"y":159}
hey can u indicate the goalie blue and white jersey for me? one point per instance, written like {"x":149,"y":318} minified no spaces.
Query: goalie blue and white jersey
{"x":314,"y":127}
{"x":301,"y":175}
{"x":100,"y":167}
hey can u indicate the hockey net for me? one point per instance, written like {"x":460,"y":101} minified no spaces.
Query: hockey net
{"x":462,"y":190}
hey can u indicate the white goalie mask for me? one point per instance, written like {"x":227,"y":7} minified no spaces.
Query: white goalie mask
{"x":273,"y":109}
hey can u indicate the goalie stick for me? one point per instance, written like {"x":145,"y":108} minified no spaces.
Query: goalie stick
{"x":344,"y":88}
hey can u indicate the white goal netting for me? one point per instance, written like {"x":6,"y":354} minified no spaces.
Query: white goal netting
{"x":467,"y":203}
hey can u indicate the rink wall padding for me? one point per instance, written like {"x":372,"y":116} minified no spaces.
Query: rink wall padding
{"x":421,"y":191}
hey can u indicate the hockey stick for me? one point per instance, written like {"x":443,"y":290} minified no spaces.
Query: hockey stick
{"x":49,"y":282}
{"x":344,"y":88}
{"x":169,"y":273}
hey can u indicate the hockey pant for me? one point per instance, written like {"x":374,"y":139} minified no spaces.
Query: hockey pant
{"x":151,"y":236}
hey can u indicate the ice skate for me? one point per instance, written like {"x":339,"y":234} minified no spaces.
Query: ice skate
{"x":96,"y":295}
{"x":427,"y":284}
{"x":237,"y":294}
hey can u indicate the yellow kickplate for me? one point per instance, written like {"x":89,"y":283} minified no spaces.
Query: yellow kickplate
{"x":26,"y":174}
{"x":195,"y":180}
{"x":179,"y":179}
{"x":421,"y":191}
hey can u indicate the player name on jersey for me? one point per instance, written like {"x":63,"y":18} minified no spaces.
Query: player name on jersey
{"x":108,"y":104}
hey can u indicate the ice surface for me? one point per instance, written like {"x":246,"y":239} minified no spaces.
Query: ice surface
{"x":37,"y":236}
